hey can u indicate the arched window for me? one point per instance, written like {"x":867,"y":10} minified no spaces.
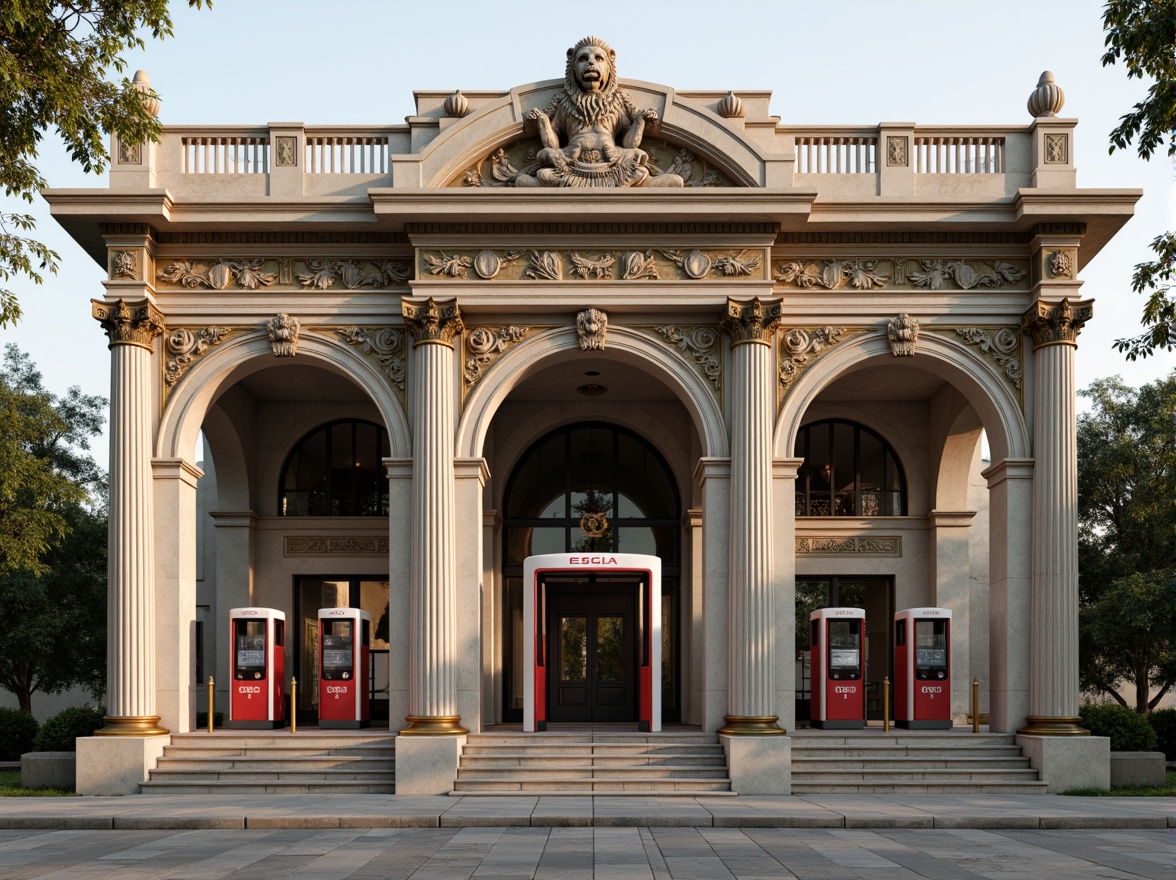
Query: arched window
{"x":848,"y":470}
{"x":336,"y":470}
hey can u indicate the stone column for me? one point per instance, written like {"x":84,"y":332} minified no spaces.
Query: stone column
{"x":751,"y":622}
{"x":432,"y":664}
{"x":1053,"y":683}
{"x":130,"y":652}
{"x":784,"y":471}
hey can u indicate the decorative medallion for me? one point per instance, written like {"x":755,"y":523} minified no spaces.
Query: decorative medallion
{"x":488,"y":264}
{"x":282,"y":331}
{"x":385,"y":344}
{"x":639,"y":265}
{"x":896,"y":151}
{"x":1057,"y":149}
{"x":129,"y":153}
{"x":799,"y":346}
{"x":1003,"y":345}
{"x":484,"y":345}
{"x":701,"y":345}
{"x":902,"y":332}
{"x":285,"y":151}
{"x":1060,"y":264}
{"x":594,"y":525}
{"x":183,"y":347}
{"x":125,"y":264}
{"x":695,"y":263}
{"x":591,"y":327}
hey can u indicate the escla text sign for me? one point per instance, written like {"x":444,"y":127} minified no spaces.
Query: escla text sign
{"x":592,"y":560}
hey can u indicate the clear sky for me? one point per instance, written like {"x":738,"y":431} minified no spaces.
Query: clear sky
{"x":850,"y":62}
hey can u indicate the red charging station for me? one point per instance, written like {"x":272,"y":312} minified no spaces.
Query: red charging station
{"x":838,"y":668}
{"x":344,"y":640}
{"x":922,"y":668}
{"x":257,"y":698}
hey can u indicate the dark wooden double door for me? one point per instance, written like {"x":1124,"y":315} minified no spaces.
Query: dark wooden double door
{"x":592,"y":650}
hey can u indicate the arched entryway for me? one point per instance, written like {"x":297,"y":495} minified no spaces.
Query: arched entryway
{"x":592,"y":487}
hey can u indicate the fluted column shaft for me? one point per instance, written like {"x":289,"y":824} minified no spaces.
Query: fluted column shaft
{"x":130,"y":614}
{"x":751,"y":606}
{"x":1053,"y":687}
{"x":432,"y":697}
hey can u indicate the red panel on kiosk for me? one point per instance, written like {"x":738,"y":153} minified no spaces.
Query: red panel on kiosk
{"x":922,"y":668}
{"x":257,"y":694}
{"x":344,"y":639}
{"x":838,"y":674}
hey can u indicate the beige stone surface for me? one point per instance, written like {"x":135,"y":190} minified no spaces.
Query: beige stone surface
{"x":759,"y":764}
{"x":1067,"y":762}
{"x":427,"y":764}
{"x":116,"y":764}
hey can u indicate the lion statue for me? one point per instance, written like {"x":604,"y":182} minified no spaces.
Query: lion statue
{"x":591,"y":131}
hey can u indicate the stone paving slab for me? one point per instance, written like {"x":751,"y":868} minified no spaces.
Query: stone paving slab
{"x":848,"y":811}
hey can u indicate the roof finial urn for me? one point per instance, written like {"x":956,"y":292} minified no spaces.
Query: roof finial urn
{"x":1047,"y":99}
{"x":457,"y":105}
{"x":731,"y":107}
{"x":141,"y":83}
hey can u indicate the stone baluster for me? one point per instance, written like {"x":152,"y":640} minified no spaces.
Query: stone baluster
{"x":130,"y":652}
{"x":433,"y":658}
{"x":751,"y":636}
{"x":1053,"y":684}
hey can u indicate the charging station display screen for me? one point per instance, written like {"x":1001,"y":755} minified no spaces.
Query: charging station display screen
{"x":930,"y":648}
{"x":845,"y":648}
{"x":249,"y":649}
{"x":338,"y":649}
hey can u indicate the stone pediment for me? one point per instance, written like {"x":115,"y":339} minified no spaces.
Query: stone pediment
{"x":496,"y":140}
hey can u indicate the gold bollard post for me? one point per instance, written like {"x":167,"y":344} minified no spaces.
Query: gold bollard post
{"x":975,"y":704}
{"x":886,"y":704}
{"x":293,"y":705}
{"x":211,"y":702}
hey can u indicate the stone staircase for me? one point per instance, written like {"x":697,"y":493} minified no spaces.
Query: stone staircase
{"x":592,"y":764}
{"x":911,"y":763}
{"x":278,"y":763}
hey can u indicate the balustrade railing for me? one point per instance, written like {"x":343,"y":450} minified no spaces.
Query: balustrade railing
{"x":959,"y":154}
{"x":221,"y":154}
{"x":836,"y":154}
{"x":346,"y":154}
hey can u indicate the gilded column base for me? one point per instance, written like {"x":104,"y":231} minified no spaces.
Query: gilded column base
{"x":131,"y":725}
{"x":752,"y":725}
{"x":1053,"y":725}
{"x":433,"y":725}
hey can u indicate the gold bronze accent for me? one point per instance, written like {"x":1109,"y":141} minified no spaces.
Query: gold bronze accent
{"x":752,"y":725}
{"x":431,"y":321}
{"x":1053,"y":725}
{"x":133,"y":323}
{"x":131,"y":725}
{"x":753,"y":321}
{"x":433,"y":725}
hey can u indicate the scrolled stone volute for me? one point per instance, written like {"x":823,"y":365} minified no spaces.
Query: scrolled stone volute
{"x":731,"y":107}
{"x":457,"y":105}
{"x":1056,"y":323}
{"x":431,"y":321}
{"x":1047,"y":99}
{"x":141,"y":83}
{"x":136,"y":323}
{"x":753,"y":321}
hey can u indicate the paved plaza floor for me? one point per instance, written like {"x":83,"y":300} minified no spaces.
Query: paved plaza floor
{"x":659,"y":853}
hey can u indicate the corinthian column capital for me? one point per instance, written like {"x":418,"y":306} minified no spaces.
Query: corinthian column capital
{"x":430,"y":321}
{"x":1056,"y":323}
{"x":133,"y":323}
{"x":753,"y":321}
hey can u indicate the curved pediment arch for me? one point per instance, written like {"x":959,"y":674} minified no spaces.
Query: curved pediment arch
{"x":721,"y":149}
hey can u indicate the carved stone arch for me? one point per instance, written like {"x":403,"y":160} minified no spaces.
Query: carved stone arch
{"x":977,"y":380}
{"x":230,"y":463}
{"x":524,"y":434}
{"x":624,"y":345}
{"x":500,"y":123}
{"x":240,"y":357}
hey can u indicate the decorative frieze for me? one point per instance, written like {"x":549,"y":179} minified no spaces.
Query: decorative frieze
{"x":253,"y":273}
{"x":902,"y":332}
{"x":868,"y":273}
{"x":485,"y":345}
{"x":385,"y":344}
{"x":591,"y":327}
{"x":136,"y":323}
{"x":700,"y":344}
{"x":432,"y":322}
{"x":282,"y":331}
{"x":1056,"y":323}
{"x":800,"y":346}
{"x":753,"y":321}
{"x":183,"y":346}
{"x":1002,"y":345}
{"x":335,"y":546}
{"x":500,"y":264}
{"x":880,"y":545}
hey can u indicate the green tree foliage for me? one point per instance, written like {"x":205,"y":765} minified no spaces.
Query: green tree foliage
{"x":1126,"y":544}
{"x":54,"y":62}
{"x":1142,"y":34}
{"x":45,"y":468}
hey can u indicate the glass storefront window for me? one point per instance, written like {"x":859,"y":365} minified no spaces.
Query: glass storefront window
{"x":848,"y":470}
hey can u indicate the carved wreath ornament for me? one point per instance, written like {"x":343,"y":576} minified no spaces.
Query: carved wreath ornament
{"x":594,"y":525}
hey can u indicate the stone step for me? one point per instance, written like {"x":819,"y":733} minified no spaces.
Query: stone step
{"x":232,"y":740}
{"x":930,"y":754}
{"x":622,"y":784}
{"x":274,"y":787}
{"x":549,"y":739}
{"x":572,"y":772}
{"x":388,"y":752}
{"x":669,"y":754}
{"x":907,"y":741}
{"x":920,"y":788}
{"x":807,"y":763}
{"x":300,"y":763}
{"x":248,"y":775}
{"x":912,"y":774}
{"x":551,"y":762}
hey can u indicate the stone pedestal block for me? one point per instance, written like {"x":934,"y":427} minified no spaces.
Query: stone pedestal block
{"x":59,"y":770}
{"x":427,"y":764}
{"x":1066,"y":762}
{"x":759,"y":764}
{"x":1127,"y":768}
{"x":116,"y":764}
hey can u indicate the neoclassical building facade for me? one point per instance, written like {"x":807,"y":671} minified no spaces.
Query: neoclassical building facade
{"x":382,"y":366}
